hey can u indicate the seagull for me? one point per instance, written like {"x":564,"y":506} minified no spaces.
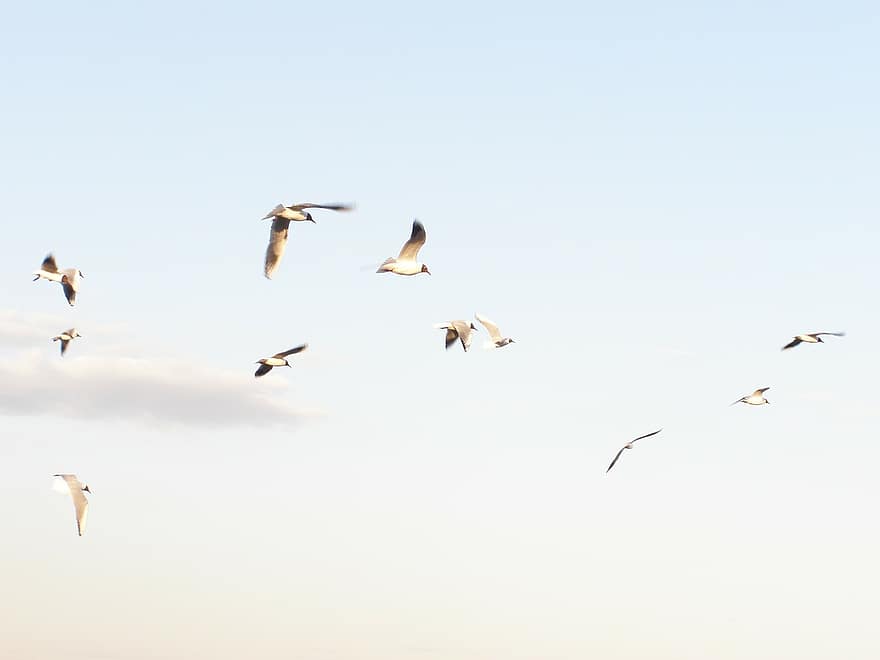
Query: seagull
{"x":79,"y":500}
{"x":281,"y":217}
{"x":495,"y":333}
{"x":407,"y":261}
{"x":277,"y":360}
{"x":65,"y":338}
{"x":68,"y":277}
{"x":629,"y":445}
{"x":756,"y":398}
{"x":811,"y":338}
{"x":457,"y":330}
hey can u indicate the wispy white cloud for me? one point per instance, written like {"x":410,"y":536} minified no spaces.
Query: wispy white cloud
{"x":117,"y":387}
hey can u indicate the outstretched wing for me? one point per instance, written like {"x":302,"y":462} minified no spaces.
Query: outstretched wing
{"x":277,"y":244}
{"x":760,"y":391}
{"x":262,"y":370}
{"x":64,"y":343}
{"x":833,"y":334}
{"x":491,"y":328}
{"x":794,"y":342}
{"x":463,"y":328}
{"x":410,"y":249}
{"x":49,"y":264}
{"x":70,"y":284}
{"x":647,"y":435}
{"x":331,"y":207}
{"x":615,"y":460}
{"x":297,"y":349}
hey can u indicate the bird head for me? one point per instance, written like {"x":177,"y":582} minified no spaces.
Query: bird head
{"x":425,"y":269}
{"x":86,"y":489}
{"x":819,"y":339}
{"x":310,"y":218}
{"x":473,"y":327}
{"x":511,"y":341}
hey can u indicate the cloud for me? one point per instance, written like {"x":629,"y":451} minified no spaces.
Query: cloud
{"x":116,"y":387}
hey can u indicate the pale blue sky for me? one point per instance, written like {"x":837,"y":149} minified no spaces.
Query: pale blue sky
{"x":651,"y":199}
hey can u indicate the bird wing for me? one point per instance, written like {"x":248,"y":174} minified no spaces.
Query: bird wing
{"x":297,"y":349}
{"x":647,"y":435}
{"x":262,"y":370}
{"x":49,"y":264}
{"x":332,"y":207}
{"x":64,"y":343}
{"x":739,"y":400}
{"x":463,"y":328}
{"x":277,"y":244}
{"x":794,"y":342}
{"x":615,"y":460}
{"x":81,"y":504}
{"x":451,"y":336}
{"x":70,"y":284}
{"x":410,"y":249}
{"x":760,"y":391}
{"x":833,"y":334}
{"x":491,"y":328}
{"x":271,"y":214}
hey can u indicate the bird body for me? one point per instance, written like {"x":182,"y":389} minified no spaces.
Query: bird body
{"x":756,"y":398}
{"x":495,"y":336}
{"x":407,"y":262}
{"x":282,"y":216}
{"x":67,"y":277}
{"x":810,"y":338}
{"x":277,"y":360}
{"x":65,"y":338}
{"x":80,"y":503}
{"x":460,"y":330}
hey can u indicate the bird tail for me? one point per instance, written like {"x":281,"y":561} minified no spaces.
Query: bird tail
{"x":389,"y":260}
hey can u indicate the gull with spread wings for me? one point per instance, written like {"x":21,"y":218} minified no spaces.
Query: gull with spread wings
{"x":629,"y":445}
{"x":457,"y":330}
{"x":756,"y":398}
{"x":282,"y":216}
{"x":497,"y":340}
{"x":67,"y":277}
{"x":65,"y":338}
{"x":80,"y":503}
{"x":811,"y":338}
{"x":277,"y":360}
{"x":407,"y":262}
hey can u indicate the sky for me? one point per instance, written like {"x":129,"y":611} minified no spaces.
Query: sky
{"x":651,"y":200}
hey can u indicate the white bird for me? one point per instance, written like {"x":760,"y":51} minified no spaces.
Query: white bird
{"x":68,"y":277}
{"x":277,"y":360}
{"x":494,"y":332}
{"x":281,"y":218}
{"x":407,"y":262}
{"x":65,"y":338}
{"x":756,"y":398}
{"x":811,"y":338}
{"x":80,"y":503}
{"x":457,"y":330}
{"x":629,"y":445}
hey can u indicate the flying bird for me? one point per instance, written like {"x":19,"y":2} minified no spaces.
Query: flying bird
{"x":756,"y":398}
{"x":68,"y":277}
{"x":281,"y":218}
{"x":80,"y":503}
{"x":811,"y":338}
{"x":629,"y":445}
{"x":457,"y":330}
{"x":277,"y":360}
{"x":494,"y":333}
{"x":407,"y":262}
{"x":65,"y":338}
